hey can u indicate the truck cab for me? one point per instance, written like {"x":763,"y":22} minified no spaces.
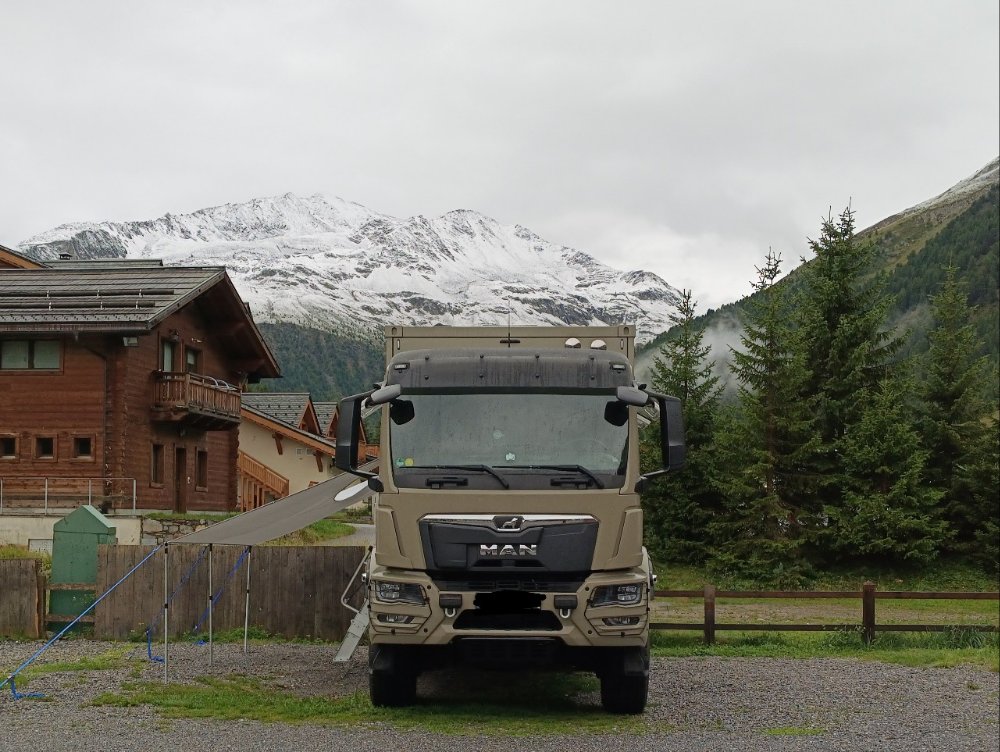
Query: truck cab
{"x":508,"y":525}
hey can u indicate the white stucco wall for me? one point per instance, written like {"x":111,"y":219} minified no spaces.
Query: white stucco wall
{"x":297,"y":462}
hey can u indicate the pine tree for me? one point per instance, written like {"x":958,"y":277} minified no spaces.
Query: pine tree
{"x":957,"y":417}
{"x":889,"y":513}
{"x":848,"y":353}
{"x":764,"y":447}
{"x":679,"y":506}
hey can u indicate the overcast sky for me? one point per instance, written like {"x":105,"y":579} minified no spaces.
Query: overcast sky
{"x":681,"y":138}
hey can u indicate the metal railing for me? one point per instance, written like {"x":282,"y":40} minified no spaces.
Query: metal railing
{"x":48,"y":489}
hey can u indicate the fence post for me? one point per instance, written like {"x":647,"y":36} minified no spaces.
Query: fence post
{"x":709,"y":597}
{"x":868,"y":612}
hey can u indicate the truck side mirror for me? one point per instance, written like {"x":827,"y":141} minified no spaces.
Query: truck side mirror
{"x":672,"y":446}
{"x":348,"y":438}
{"x":672,"y":432}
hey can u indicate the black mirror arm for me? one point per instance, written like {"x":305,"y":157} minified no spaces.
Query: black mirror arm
{"x":645,"y":479}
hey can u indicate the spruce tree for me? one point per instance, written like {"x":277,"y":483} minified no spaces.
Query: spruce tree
{"x":848,"y":353}
{"x":678,"y":507}
{"x":957,"y":419}
{"x":889,"y":513}
{"x":764,"y":448}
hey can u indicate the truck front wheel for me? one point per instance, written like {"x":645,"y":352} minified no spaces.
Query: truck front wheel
{"x":391,"y":681}
{"x":625,"y":683}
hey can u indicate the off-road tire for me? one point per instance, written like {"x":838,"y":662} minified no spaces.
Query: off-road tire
{"x":393,"y":685}
{"x":625,"y":681}
{"x":624,"y":695}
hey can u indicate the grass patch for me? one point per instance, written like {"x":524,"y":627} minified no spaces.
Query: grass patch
{"x":257,"y":635}
{"x":794,"y":731}
{"x":12,"y":551}
{"x":111,"y":659}
{"x":318,"y":532}
{"x":361,"y":514}
{"x":541,"y":705}
{"x":920,"y":650}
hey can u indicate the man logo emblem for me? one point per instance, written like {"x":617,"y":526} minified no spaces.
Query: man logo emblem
{"x":495,"y":549}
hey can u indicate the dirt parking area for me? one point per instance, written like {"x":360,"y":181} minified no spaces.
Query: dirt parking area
{"x":695,"y":704}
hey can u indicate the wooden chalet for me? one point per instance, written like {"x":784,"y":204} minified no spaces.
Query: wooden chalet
{"x":281,"y":449}
{"x":11,"y":259}
{"x":328,"y":414}
{"x":287,"y":443}
{"x":122,"y":380}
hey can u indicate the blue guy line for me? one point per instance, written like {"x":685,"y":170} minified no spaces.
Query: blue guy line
{"x":159,"y":614}
{"x":218,"y":593}
{"x":64,"y":630}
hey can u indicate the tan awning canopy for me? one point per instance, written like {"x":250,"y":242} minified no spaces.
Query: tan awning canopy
{"x":282,"y":516}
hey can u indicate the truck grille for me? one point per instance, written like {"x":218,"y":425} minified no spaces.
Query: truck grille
{"x":498,"y":545}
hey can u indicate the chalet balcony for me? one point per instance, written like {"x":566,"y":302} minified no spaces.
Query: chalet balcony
{"x":195,"y":401}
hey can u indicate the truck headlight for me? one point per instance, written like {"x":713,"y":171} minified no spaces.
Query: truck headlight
{"x":617,"y":595}
{"x":398,"y":592}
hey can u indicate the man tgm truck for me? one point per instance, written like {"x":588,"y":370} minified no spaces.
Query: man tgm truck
{"x":508,"y":530}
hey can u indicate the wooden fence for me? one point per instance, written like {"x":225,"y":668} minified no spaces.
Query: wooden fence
{"x":867,"y":626}
{"x":294,"y":590}
{"x":22,"y":603}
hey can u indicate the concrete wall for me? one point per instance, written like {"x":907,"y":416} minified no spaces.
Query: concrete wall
{"x":21,"y":529}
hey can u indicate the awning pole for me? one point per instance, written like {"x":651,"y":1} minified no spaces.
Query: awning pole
{"x":166,"y":591}
{"x":246,"y":607}
{"x":210,"y":605}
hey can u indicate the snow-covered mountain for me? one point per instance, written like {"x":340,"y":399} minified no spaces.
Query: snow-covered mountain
{"x":331,"y":264}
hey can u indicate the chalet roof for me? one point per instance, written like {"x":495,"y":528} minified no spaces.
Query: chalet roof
{"x":125,"y":298}
{"x":9,"y":258}
{"x":288,"y":407}
{"x":262,"y":418}
{"x":324,"y":414}
{"x":85,"y":298}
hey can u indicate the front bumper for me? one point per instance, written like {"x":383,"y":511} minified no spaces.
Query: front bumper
{"x":472,"y":614}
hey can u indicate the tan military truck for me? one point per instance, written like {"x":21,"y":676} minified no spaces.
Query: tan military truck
{"x":508,"y":530}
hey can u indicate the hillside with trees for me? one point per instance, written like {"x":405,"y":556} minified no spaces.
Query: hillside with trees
{"x":842,"y":446}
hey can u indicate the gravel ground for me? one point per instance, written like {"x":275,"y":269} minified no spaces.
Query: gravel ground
{"x":707,"y":703}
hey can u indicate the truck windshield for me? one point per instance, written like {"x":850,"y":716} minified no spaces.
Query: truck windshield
{"x":488,"y":440}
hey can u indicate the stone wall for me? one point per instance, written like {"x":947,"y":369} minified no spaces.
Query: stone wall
{"x":156,"y":532}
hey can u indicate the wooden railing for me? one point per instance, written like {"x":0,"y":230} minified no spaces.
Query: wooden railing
{"x":178,"y":393}
{"x":868,"y":627}
{"x":259,"y":484}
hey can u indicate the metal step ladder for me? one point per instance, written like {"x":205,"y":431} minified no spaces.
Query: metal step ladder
{"x":357,"y":630}
{"x":359,"y":624}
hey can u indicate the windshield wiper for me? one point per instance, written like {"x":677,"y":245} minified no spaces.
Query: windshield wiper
{"x":480,"y":468}
{"x":564,"y":468}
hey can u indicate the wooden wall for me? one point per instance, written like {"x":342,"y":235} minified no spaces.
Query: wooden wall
{"x":61,"y":404}
{"x":294,"y":590}
{"x":22,"y":598}
{"x":105,"y":390}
